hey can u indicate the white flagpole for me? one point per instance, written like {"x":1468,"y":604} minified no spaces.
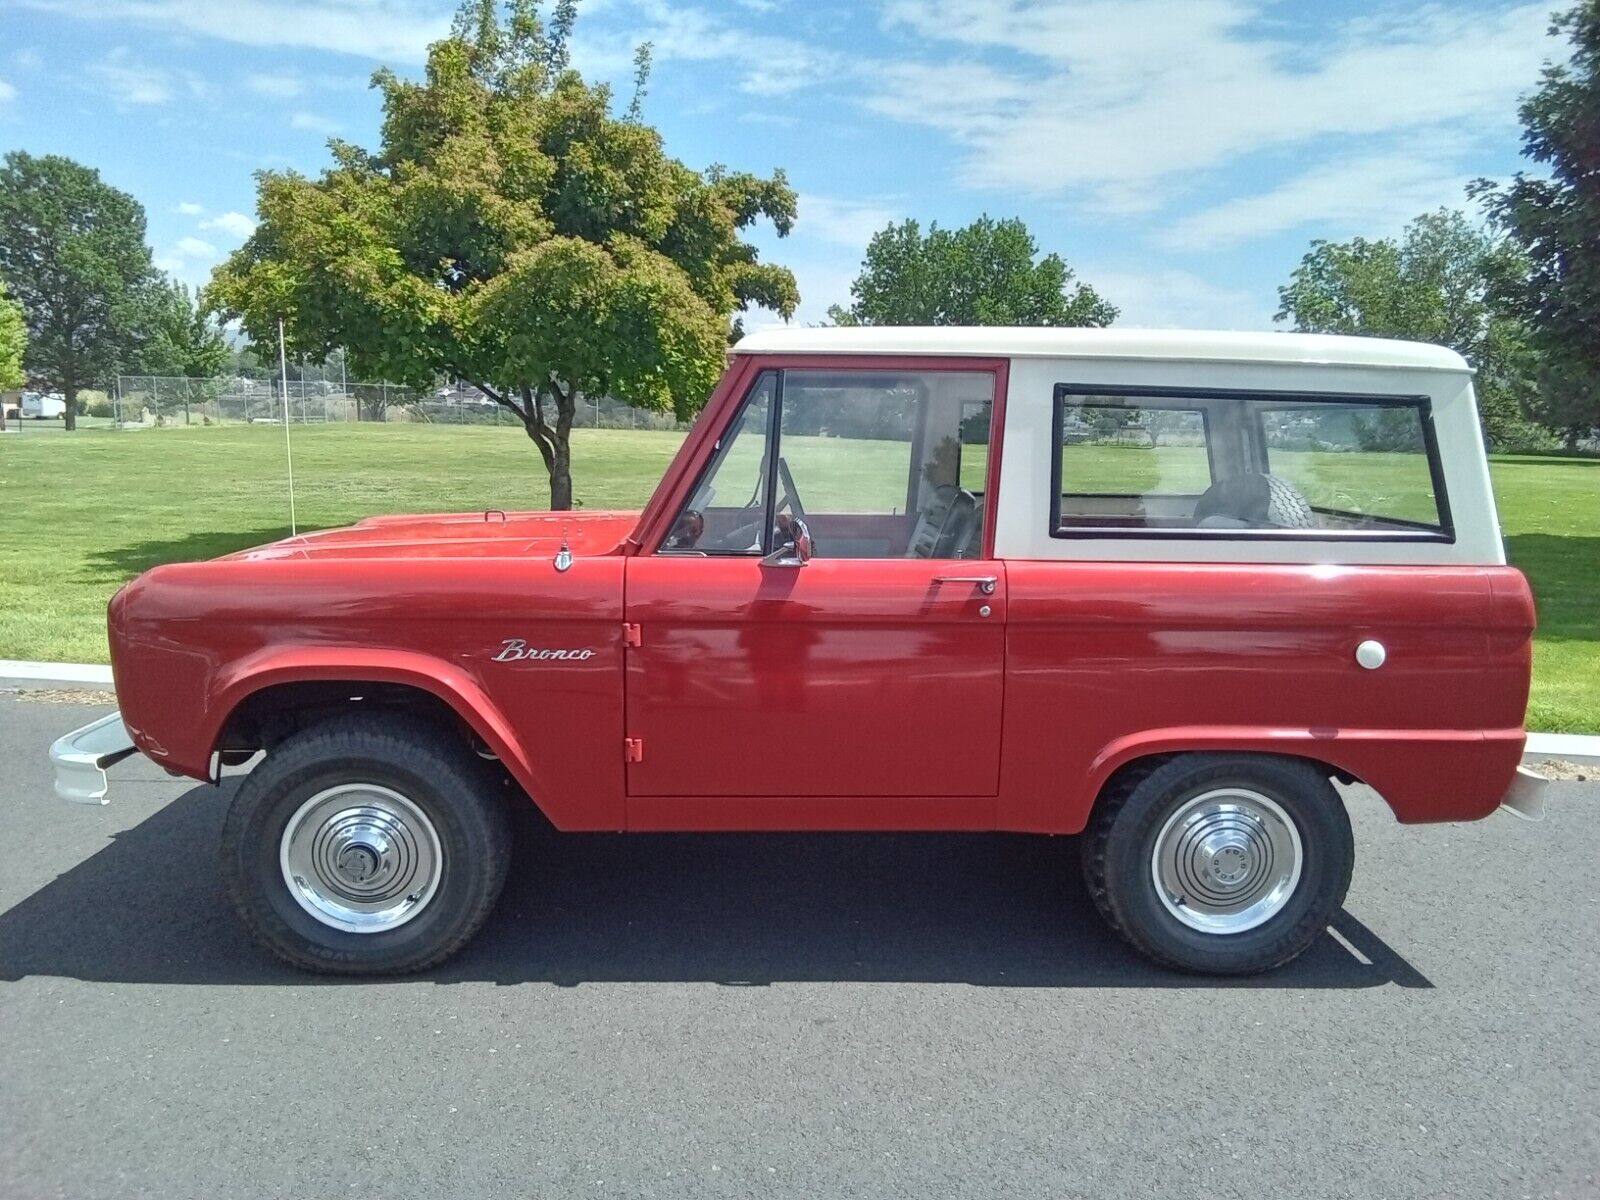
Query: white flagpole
{"x":288,"y":450}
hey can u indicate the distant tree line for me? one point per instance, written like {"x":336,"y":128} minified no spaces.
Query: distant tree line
{"x":73,"y":256}
{"x":514,"y":231}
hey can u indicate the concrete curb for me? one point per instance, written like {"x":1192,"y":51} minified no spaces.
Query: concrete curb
{"x":1569,"y":747}
{"x":14,"y":671}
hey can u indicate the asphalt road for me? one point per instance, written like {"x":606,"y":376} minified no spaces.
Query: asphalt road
{"x":834,"y":1016}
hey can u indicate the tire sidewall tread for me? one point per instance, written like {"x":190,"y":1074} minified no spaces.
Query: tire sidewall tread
{"x":1121,"y":838}
{"x":435,"y":771}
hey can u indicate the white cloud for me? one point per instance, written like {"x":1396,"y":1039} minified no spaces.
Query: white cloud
{"x":128,"y":81}
{"x":193,"y":247}
{"x":1131,"y":102}
{"x":844,"y":222}
{"x":1174,"y":299}
{"x":385,"y":30}
{"x":1376,"y":193}
{"x":132,"y":85}
{"x":7,"y":92}
{"x":283,"y":87}
{"x":313,"y":122}
{"x":190,"y":209}
{"x":771,"y":65}
{"x":234,"y":223}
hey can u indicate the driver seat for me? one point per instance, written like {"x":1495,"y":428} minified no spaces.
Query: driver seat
{"x":945,"y":525}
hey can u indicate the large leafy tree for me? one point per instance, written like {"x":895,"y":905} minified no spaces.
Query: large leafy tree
{"x":13,"y":342}
{"x":180,"y":337}
{"x":513,"y":232}
{"x":72,"y":251}
{"x":988,"y":273}
{"x":1432,"y":284}
{"x":1554,"y":219}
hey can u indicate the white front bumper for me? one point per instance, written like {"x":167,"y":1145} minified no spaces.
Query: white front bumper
{"x":81,"y":757}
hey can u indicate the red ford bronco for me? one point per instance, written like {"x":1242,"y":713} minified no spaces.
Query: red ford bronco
{"x":1158,"y":589}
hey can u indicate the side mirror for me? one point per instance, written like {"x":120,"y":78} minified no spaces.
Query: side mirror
{"x":796,"y":551}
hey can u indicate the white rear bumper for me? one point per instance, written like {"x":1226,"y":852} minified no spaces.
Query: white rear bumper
{"x":81,"y":757}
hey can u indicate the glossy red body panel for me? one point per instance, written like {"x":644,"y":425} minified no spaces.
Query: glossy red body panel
{"x":849,"y":693}
{"x":190,"y":641}
{"x":1108,"y":662}
{"x":844,"y":677}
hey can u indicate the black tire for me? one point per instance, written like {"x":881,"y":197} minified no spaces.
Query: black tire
{"x":1121,"y":843}
{"x":434,"y":770}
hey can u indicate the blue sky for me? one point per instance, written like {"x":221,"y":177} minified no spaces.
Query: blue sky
{"x":1179,"y":153}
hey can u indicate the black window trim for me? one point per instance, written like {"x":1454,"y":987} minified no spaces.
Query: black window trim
{"x":1445,"y":532}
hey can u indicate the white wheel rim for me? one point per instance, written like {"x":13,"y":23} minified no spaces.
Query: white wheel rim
{"x":361,"y":858}
{"x":1227,"y":861}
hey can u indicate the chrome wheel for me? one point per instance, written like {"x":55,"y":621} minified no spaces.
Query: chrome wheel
{"x":361,"y":858}
{"x":1227,"y":860}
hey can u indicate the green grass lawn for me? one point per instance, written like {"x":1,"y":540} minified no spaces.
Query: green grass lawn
{"x":83,"y":513}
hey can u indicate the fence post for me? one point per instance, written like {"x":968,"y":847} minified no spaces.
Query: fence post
{"x":186,"y":402}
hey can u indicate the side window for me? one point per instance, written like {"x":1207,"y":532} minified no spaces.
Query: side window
{"x":726,"y":513}
{"x":1359,"y":466}
{"x":1127,"y":464}
{"x":886,"y":465}
{"x":1245,"y":465}
{"x":879,"y":464}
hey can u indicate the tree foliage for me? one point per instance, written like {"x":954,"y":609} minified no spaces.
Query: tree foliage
{"x":1432,"y":284}
{"x":512,"y":232}
{"x":180,"y":337}
{"x":1555,"y":220}
{"x":13,"y":343}
{"x":72,"y":252}
{"x":988,"y":273}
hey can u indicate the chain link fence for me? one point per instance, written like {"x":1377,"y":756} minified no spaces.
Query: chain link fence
{"x":141,"y":401}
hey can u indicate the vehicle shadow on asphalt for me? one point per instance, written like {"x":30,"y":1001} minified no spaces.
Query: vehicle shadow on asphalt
{"x":731,"y":909}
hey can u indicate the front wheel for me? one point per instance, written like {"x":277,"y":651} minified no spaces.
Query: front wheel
{"x":1220,"y":864}
{"x":366,"y":845}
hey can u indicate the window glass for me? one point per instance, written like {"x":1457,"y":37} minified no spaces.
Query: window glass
{"x":726,"y":514}
{"x":1137,"y":464}
{"x":1261,"y":464}
{"x":1354,"y":461}
{"x":879,"y":464}
{"x":886,"y":465}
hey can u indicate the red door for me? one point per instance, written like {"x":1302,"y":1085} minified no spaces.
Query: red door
{"x":843,"y":678}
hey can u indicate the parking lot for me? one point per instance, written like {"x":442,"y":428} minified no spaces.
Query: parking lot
{"x":799,"y":1016}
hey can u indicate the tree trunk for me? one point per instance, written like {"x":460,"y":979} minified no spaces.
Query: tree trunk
{"x":561,"y":474}
{"x":554,"y":442}
{"x":71,"y":418}
{"x":561,"y":442}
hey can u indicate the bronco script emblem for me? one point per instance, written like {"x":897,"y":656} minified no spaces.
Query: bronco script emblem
{"x":515,"y":650}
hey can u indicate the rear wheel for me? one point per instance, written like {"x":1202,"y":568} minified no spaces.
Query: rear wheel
{"x":368,"y":844}
{"x":1222,"y":864}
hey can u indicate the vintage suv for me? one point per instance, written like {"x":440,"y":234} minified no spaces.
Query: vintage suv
{"x":1157,"y":588}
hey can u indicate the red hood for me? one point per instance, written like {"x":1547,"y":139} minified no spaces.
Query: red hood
{"x":493,"y":534}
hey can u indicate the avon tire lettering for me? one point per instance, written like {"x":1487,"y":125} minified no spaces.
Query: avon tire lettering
{"x":517,"y":650}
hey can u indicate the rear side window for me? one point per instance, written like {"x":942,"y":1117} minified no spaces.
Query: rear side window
{"x":1214,"y":464}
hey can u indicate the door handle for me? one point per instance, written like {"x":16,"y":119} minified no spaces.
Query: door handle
{"x":986,"y":583}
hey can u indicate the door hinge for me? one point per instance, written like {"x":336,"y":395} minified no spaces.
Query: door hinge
{"x":632,"y":750}
{"x":631,"y":634}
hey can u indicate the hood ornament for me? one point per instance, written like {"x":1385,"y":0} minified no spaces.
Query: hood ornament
{"x":563,"y":559}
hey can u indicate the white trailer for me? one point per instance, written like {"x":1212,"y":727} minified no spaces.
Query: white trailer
{"x":41,"y":406}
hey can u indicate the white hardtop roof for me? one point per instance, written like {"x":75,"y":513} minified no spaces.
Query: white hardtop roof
{"x":1179,"y":344}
